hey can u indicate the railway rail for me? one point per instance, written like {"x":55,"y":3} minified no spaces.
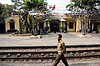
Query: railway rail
{"x":47,"y":53}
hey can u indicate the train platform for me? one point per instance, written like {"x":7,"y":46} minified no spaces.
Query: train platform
{"x":70,"y":38}
{"x":80,"y":63}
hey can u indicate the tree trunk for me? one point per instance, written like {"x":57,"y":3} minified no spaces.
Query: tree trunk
{"x":34,"y":30}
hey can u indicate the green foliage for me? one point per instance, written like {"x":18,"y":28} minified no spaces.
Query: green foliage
{"x":29,"y":5}
{"x":1,"y":8}
{"x":62,"y":27}
{"x":5,"y":10}
{"x":85,"y":4}
{"x":34,"y":4}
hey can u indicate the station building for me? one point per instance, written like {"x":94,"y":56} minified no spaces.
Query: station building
{"x":58,"y":22}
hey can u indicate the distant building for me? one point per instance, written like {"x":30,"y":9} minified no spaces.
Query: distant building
{"x":59,"y":22}
{"x":12,"y":24}
{"x":62,"y":22}
{"x":95,"y":23}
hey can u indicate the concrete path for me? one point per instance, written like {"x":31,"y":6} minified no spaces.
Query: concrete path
{"x":70,"y":38}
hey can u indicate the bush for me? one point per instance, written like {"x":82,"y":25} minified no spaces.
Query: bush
{"x":62,"y":29}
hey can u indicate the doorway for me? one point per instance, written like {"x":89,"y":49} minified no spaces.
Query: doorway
{"x":2,"y":25}
{"x":2,"y":28}
{"x":54,"y":26}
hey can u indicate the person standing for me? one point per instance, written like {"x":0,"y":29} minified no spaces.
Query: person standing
{"x":61,"y":50}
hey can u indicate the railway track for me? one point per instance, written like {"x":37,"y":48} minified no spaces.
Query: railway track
{"x":47,"y":53}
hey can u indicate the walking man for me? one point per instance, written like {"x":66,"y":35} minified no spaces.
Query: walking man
{"x":61,"y":50}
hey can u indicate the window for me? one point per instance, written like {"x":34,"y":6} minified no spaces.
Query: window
{"x":70,"y":25}
{"x":12,"y":24}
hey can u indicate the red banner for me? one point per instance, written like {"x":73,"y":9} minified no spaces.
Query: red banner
{"x":53,"y":7}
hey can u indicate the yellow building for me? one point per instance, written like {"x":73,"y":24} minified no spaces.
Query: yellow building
{"x":71,"y":25}
{"x":12,"y":24}
{"x":78,"y":25}
{"x":65,"y":22}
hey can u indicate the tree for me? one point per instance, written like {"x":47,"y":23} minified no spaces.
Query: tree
{"x":85,"y":8}
{"x":30,"y":5}
{"x":5,"y":10}
{"x":38,"y":6}
{"x":1,"y":8}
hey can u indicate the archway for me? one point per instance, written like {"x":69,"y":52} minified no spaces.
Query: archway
{"x":54,"y":25}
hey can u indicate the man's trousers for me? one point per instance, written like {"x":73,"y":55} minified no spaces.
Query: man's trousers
{"x":58,"y":58}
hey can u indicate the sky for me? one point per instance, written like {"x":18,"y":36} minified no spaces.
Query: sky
{"x":60,"y":5}
{"x":5,"y":1}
